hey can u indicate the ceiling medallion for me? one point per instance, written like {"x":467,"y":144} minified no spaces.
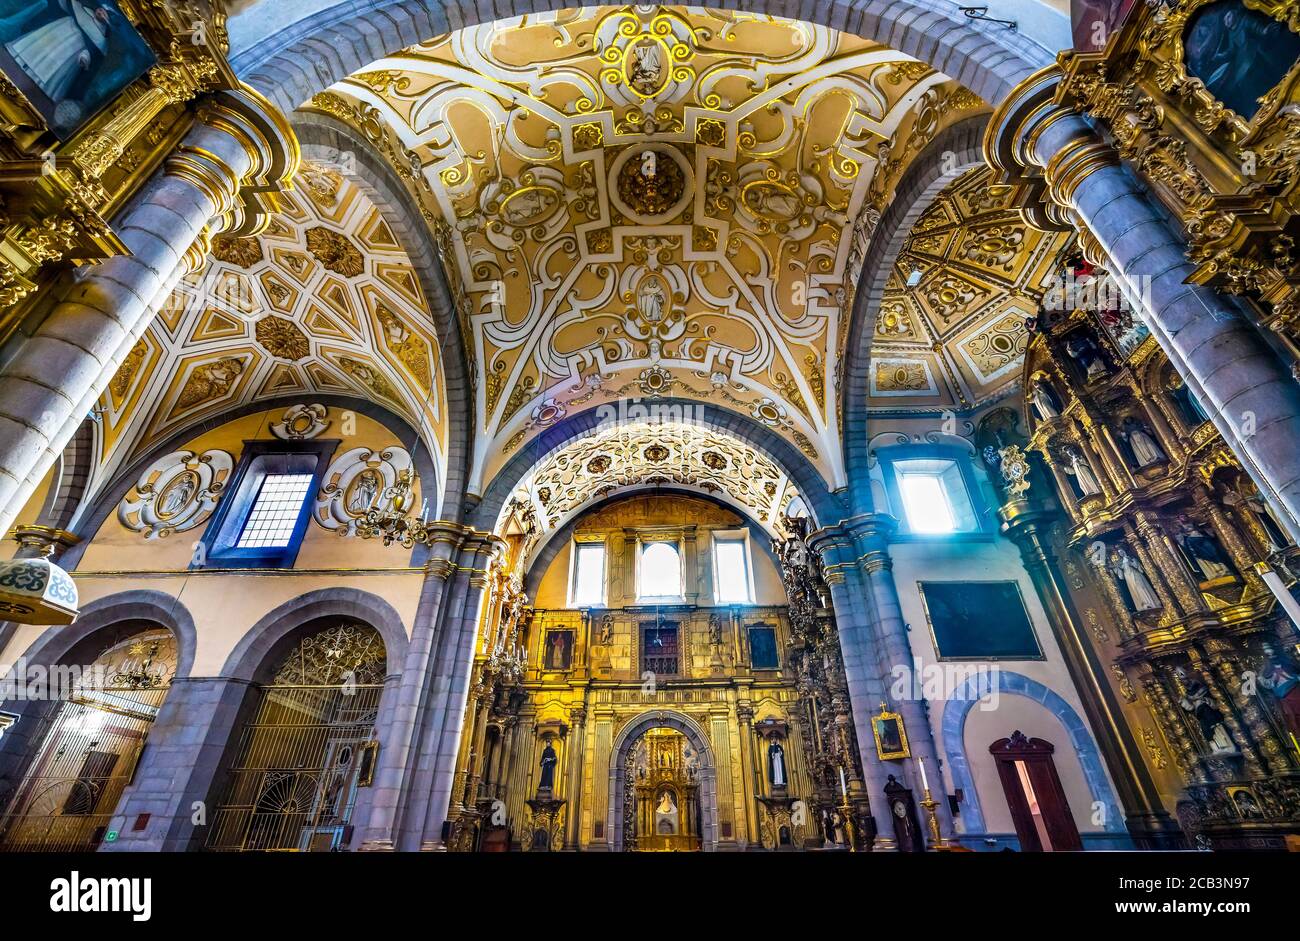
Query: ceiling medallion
{"x":651,"y":183}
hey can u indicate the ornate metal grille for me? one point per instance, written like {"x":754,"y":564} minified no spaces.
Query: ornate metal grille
{"x":308,"y":748}
{"x":88,"y":749}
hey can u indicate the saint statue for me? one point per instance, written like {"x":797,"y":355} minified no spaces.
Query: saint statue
{"x":1203,"y":553}
{"x":607,"y":630}
{"x":1142,"y":597}
{"x":1140,"y":441}
{"x":1044,"y":399}
{"x":1081,"y":471}
{"x":650,"y":301}
{"x":666,"y":803}
{"x":1083,"y":350}
{"x":549,"y":760}
{"x":176,"y":497}
{"x":1196,"y":701}
{"x":1279,"y":676}
{"x":1251,"y":500}
{"x":363,"y":495}
{"x":715,"y":630}
{"x":776,"y":764}
{"x":646,"y":74}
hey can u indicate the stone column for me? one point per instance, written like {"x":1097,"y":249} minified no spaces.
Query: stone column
{"x":400,"y":738}
{"x":1249,"y":392}
{"x":449,"y":686}
{"x":239,"y":146}
{"x":179,"y":766}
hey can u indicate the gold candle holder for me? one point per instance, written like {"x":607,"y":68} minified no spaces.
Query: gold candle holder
{"x":937,"y":841}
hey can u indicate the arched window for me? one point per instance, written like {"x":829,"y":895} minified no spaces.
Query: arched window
{"x":661,"y":571}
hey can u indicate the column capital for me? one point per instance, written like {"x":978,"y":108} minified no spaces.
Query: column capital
{"x":241,"y":152}
{"x":1035,"y":141}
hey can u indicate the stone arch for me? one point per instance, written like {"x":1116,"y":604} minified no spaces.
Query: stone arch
{"x":555,"y":541}
{"x":623,"y":742}
{"x":71,"y":477}
{"x":323,"y":136}
{"x":1017,"y":684}
{"x":955,"y":150}
{"x":137,"y":605}
{"x":249,"y":660}
{"x":824,"y":505}
{"x":291,"y":63}
{"x":106,"y":500}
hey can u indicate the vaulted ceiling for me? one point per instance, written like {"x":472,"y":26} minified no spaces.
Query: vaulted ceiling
{"x":629,"y":203}
{"x":644,"y":201}
{"x":956,"y":338}
{"x":325,"y":301}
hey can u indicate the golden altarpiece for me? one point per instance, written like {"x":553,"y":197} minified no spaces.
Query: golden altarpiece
{"x":658,"y":727}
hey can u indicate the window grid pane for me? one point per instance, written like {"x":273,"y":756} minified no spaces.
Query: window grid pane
{"x":733,"y":577}
{"x":275,"y":512}
{"x":589,"y":575}
{"x":927,"y":503}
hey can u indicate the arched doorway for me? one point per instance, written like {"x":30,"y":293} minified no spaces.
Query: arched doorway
{"x":663,"y":787}
{"x":307,"y":746}
{"x":89,"y":744}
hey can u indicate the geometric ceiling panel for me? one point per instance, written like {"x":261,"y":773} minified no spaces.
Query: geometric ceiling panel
{"x":638,"y":201}
{"x":955,"y":338}
{"x":301,"y":308}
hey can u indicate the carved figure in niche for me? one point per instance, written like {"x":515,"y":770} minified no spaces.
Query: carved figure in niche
{"x":646,"y":74}
{"x":1044,"y":399}
{"x":549,"y":760}
{"x":364,"y":492}
{"x":1141,"y":442}
{"x":1196,"y":702}
{"x":1084,"y":351}
{"x":607,"y":630}
{"x":776,"y":764}
{"x":1141,"y":596}
{"x":1281,"y":677}
{"x":715,"y":630}
{"x":691,"y":761}
{"x":666,"y":814}
{"x":1250,"y":499}
{"x":650,"y":301}
{"x":1188,"y":404}
{"x":1081,"y":471}
{"x":177,"y":496}
{"x":640,"y":760}
{"x":1204,"y":555}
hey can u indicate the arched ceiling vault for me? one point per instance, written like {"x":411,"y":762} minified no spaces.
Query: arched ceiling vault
{"x":645,"y":201}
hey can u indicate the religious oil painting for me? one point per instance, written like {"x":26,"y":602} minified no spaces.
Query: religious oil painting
{"x":70,"y":58}
{"x":891,"y":738}
{"x":1239,"y":53}
{"x":979,"y":621}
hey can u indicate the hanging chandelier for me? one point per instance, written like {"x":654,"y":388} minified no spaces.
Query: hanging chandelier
{"x":391,"y":521}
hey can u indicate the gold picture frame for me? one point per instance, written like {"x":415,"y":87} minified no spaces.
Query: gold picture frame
{"x":890,"y":735}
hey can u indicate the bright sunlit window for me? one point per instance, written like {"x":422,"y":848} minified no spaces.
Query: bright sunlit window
{"x":926,"y":502}
{"x":588,"y":574}
{"x":934,"y":496}
{"x":661,"y":571}
{"x":732,"y":568}
{"x":275,"y":514}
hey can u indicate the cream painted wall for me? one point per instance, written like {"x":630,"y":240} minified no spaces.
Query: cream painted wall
{"x":226,"y":603}
{"x":938,"y":560}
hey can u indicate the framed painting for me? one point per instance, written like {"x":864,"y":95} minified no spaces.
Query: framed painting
{"x":890,"y":736}
{"x":1239,"y":53}
{"x":979,"y":621}
{"x":70,"y":57}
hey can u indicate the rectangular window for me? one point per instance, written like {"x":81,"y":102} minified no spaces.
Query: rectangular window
{"x":762,"y":648}
{"x":588,"y":588}
{"x":731,"y":571}
{"x":274,"y":516}
{"x":934,"y":497}
{"x":659,"y":649}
